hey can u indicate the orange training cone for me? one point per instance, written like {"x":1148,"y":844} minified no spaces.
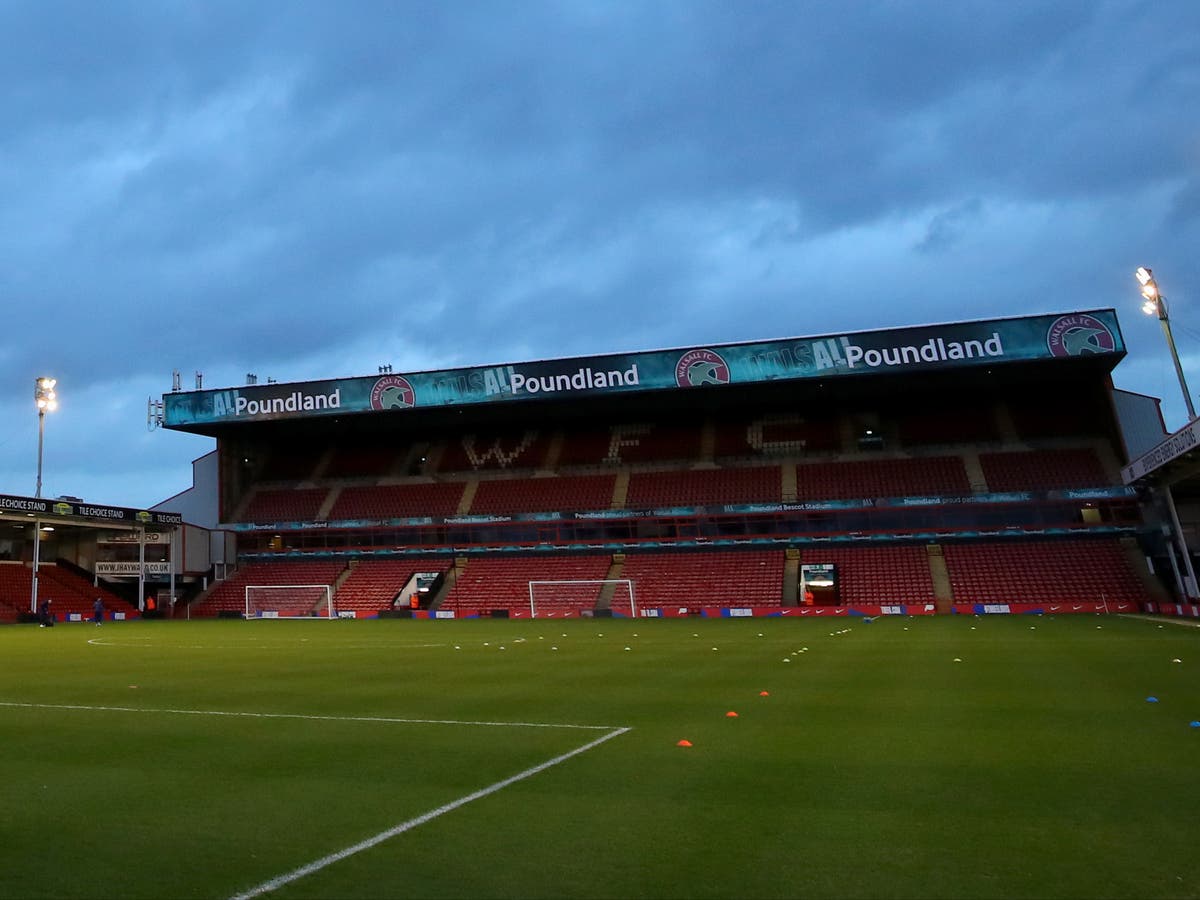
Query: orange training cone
{"x":731,"y":715}
{"x":764,"y":693}
{"x":684,"y":743}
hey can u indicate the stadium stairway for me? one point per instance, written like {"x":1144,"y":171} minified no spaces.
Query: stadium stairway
{"x":975,"y":476}
{"x":1137,"y":561}
{"x":460,"y":563}
{"x":604,"y":601}
{"x":620,"y":495}
{"x":943,"y":594}
{"x":791,"y":574}
{"x":468,"y":497}
{"x":327,"y":503}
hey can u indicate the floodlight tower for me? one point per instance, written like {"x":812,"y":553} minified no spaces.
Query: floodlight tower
{"x":47,"y":401}
{"x":1156,"y":304}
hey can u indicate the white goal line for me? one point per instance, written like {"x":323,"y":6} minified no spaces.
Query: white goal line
{"x":317,"y":865}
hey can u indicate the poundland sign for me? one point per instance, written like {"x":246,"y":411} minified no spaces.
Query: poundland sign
{"x":1091,"y":333}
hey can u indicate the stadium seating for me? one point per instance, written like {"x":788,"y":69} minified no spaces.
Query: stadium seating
{"x":585,"y":447}
{"x":627,"y":443}
{"x":564,"y":493}
{"x":758,"y":484}
{"x":230,"y":594}
{"x":373,"y":584}
{"x":16,"y":585}
{"x":636,"y":443}
{"x":479,"y":451}
{"x":291,"y":463}
{"x":503,"y":583}
{"x":397,"y":501}
{"x":876,"y":574}
{"x":962,"y":425}
{"x":867,"y":478}
{"x":1080,"y":415}
{"x":361,"y":461}
{"x":1043,"y":470}
{"x":297,"y":505}
{"x":777,"y":435}
{"x":1051,"y":571}
{"x":68,"y":592}
{"x":707,"y":578}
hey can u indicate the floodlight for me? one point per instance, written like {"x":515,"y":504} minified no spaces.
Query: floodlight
{"x":1156,"y":304}
{"x":46,"y":399}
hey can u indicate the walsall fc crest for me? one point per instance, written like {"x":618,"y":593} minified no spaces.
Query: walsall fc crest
{"x":1078,"y":335}
{"x":393,"y":392}
{"x":700,"y":367}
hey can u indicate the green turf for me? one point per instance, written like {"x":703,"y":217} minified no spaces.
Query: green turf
{"x":878,"y":766}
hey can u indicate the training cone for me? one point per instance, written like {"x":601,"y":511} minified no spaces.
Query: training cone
{"x":764,"y":693}
{"x":684,"y":743}
{"x":731,"y":715}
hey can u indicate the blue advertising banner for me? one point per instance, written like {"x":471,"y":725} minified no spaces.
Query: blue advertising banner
{"x":740,"y":509}
{"x":928,"y":347}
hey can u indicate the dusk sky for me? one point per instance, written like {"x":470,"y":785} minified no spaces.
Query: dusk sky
{"x":309,"y":190}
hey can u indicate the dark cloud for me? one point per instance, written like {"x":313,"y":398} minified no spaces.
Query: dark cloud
{"x":290,"y":187}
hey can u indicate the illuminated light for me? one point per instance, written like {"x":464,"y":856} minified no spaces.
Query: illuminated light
{"x":46,"y":400}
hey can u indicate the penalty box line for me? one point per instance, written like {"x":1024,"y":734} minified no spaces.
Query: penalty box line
{"x":325,"y":861}
{"x":317,"y":865}
{"x":387,"y":720}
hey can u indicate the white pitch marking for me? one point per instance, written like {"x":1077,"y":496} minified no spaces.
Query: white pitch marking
{"x":315,"y":866}
{"x":101,"y":642}
{"x":258,"y":715}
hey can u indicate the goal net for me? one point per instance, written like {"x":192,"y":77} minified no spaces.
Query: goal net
{"x":289,"y":601}
{"x":577,"y":597}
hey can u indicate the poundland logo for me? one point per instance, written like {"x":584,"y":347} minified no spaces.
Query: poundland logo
{"x":228,"y":403}
{"x":585,"y":379}
{"x":933,"y":350}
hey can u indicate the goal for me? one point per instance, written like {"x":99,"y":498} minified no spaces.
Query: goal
{"x":581,"y":597}
{"x":289,"y":601}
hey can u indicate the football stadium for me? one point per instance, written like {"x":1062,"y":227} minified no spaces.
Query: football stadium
{"x":899,"y":613}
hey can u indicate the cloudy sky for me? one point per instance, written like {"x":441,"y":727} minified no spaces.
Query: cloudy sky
{"x":312,"y":189}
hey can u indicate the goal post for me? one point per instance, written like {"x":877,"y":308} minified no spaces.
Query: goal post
{"x":290,"y":601}
{"x":582,"y":597}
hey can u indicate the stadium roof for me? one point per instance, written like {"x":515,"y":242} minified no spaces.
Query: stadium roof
{"x":80,"y":513}
{"x":968,"y":348}
{"x":1174,"y":463}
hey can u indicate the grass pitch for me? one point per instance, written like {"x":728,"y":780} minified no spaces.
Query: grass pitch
{"x":948,"y":757}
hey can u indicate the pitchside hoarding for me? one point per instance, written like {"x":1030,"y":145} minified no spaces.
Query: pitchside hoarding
{"x":924,"y":348}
